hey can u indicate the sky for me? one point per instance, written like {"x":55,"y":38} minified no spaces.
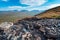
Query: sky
{"x":9,"y":5}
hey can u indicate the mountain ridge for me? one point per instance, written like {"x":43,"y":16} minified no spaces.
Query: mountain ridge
{"x":51,"y":13}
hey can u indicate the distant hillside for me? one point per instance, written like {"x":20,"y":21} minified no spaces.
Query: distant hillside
{"x":12,"y":16}
{"x":51,"y":13}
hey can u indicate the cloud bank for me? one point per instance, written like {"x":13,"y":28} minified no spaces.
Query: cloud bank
{"x":11,"y":8}
{"x":33,"y":2}
{"x":19,"y":8}
{"x":33,"y":5}
{"x":43,"y":7}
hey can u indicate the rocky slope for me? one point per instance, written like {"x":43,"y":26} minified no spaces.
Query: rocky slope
{"x":32,"y":29}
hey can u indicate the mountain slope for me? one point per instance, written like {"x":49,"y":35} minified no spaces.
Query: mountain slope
{"x":51,"y":13}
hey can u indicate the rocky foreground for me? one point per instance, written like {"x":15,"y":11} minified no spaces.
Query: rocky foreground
{"x":31,"y":29}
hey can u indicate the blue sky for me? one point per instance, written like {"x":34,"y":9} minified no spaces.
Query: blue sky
{"x":6,"y":5}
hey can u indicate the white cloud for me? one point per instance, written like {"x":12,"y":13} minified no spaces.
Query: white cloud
{"x":15,"y":7}
{"x":42,"y":7}
{"x":19,"y":8}
{"x":33,"y":2}
{"x":50,"y":6}
{"x":53,"y":5}
{"x":5,"y":0}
